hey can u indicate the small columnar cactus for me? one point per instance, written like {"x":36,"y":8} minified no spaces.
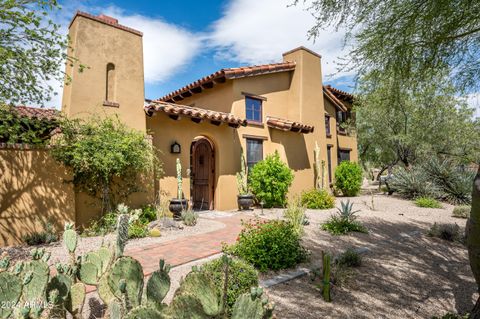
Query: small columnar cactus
{"x":326,"y":277}
{"x":242,"y":177}
{"x":179,"y":179}
{"x":122,"y":234}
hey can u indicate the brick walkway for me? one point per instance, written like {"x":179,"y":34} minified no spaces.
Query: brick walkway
{"x":187,"y":249}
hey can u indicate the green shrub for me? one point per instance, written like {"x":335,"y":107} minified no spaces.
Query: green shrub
{"x":269,"y":245}
{"x":269,"y":180}
{"x":149,"y":214}
{"x":427,"y":202}
{"x":344,"y":221}
{"x":295,"y":215}
{"x":348,"y":178}
{"x":46,"y":236}
{"x":349,"y":258}
{"x":241,"y":277}
{"x":317,"y":199}
{"x":461,"y":211}
{"x":412,"y":183}
{"x":189,"y":217}
{"x":137,"y":229}
{"x":449,"y":232}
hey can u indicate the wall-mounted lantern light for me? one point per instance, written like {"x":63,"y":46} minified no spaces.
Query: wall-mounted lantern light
{"x":175,"y":148}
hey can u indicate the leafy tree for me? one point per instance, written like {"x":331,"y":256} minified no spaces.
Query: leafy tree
{"x":21,"y":129}
{"x":31,"y":51}
{"x":106,"y":157}
{"x":398,"y":125}
{"x":410,"y":40}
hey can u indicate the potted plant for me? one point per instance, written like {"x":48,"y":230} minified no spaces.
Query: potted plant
{"x":244,"y":198}
{"x":178,"y":204}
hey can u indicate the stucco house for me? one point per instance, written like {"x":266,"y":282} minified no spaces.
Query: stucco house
{"x":280,"y":107}
{"x":260,"y":109}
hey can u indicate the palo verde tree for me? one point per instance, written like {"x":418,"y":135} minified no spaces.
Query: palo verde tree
{"x":32,"y":51}
{"x":409,"y":40}
{"x":399,"y":125}
{"x":106,"y":157}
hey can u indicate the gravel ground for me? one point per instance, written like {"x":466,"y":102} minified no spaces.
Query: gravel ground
{"x":404,"y":275}
{"x":86,"y":244}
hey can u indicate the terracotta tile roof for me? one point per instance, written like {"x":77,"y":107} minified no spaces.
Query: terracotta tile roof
{"x":342,"y":95}
{"x":105,"y":20}
{"x":36,"y":112}
{"x":195,"y":113}
{"x":225,"y":74}
{"x":288,"y":125}
{"x":327,"y":92}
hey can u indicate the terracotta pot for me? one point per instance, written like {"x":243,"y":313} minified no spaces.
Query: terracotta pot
{"x":176,"y":206}
{"x":245,"y":202}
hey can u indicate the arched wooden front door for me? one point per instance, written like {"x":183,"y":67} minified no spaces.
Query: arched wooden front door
{"x":203,"y":173}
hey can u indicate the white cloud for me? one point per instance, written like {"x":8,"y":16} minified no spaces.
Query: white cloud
{"x":166,"y":47}
{"x":256,"y":32}
{"x":473,"y":100}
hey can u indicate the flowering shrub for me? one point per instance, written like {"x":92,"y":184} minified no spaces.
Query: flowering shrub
{"x":317,"y":199}
{"x":269,"y":245}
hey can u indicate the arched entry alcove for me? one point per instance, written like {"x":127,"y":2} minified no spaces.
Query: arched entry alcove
{"x":202,"y":165}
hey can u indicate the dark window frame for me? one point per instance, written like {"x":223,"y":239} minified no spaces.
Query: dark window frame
{"x":251,"y":162}
{"x":329,"y":162}
{"x":328,"y":129}
{"x":341,"y":151}
{"x":253,"y":109}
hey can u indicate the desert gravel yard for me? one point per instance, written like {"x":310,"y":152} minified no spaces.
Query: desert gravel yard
{"x":404,"y":274}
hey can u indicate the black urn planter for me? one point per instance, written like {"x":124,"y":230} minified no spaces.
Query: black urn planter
{"x":245,"y":202}
{"x":176,"y":206}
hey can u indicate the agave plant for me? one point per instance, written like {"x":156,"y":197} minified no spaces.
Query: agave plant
{"x":346,"y":211}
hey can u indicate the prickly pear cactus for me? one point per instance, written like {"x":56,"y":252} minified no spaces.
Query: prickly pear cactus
{"x":35,"y":276}
{"x":61,"y":283}
{"x":143,"y":312}
{"x":186,"y":307}
{"x":104,"y":290}
{"x":70,"y":238}
{"x":95,"y":259}
{"x":115,"y":309}
{"x":10,"y":292}
{"x":158,"y":284}
{"x":252,"y":306}
{"x":88,"y":273}
{"x":122,"y":234}
{"x":74,"y":303}
{"x":130,"y":270}
{"x":105,"y":256}
{"x":198,"y":285}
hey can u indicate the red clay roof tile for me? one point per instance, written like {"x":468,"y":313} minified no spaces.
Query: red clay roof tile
{"x":288,"y":125}
{"x":36,"y":112}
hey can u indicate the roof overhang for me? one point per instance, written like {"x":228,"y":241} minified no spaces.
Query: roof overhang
{"x":197,"y":115}
{"x":288,"y":125}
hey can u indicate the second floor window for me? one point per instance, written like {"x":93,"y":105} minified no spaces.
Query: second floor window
{"x":254,"y":152}
{"x":327,"y":125}
{"x":253,"y":109}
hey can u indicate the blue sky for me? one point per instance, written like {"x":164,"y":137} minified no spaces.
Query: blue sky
{"x":186,"y":40}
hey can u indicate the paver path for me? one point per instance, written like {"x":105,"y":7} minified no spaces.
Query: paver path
{"x":187,"y":249}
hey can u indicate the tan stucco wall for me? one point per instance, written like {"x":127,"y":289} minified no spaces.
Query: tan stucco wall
{"x":165,"y":131}
{"x":294,"y":95}
{"x":33,"y":190}
{"x":95,"y":45}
